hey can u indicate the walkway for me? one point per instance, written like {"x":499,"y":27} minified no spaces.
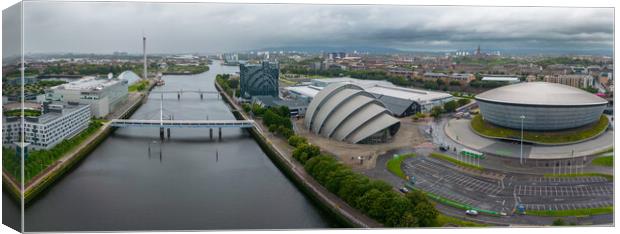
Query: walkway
{"x":284,"y":151}
{"x":459,"y":131}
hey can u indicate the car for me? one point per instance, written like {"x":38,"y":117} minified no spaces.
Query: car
{"x":403,"y":190}
{"x":471,"y":212}
{"x":444,"y":148}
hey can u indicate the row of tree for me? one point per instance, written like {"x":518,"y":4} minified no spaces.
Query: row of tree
{"x":277,"y":119}
{"x":228,"y":83}
{"x":449,"y":107}
{"x":375,"y":198}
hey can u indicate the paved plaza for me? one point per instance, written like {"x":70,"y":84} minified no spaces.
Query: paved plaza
{"x":459,"y":131}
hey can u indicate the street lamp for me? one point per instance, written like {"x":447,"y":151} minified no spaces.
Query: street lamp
{"x":521,"y":151}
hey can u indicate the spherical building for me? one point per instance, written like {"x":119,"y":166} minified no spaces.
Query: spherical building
{"x":346,"y":112}
{"x":545,"y":106}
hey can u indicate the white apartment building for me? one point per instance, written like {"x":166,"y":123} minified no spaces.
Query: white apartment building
{"x":59,"y":121}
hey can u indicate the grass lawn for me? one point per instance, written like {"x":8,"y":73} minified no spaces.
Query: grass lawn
{"x":454,"y":161}
{"x":606,"y":161}
{"x":394,"y":164}
{"x":444,"y":220}
{"x":577,"y":212}
{"x":27,"y":112}
{"x":606,"y":176}
{"x":491,"y":130}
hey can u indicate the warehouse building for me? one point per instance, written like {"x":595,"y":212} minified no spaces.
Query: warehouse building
{"x":399,"y":100}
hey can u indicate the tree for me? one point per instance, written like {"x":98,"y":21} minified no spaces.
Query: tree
{"x":273,"y":128}
{"x":365,"y":202}
{"x":426,"y":214}
{"x":233,"y":83}
{"x":558,"y":222}
{"x":306,"y":151}
{"x":408,"y":220}
{"x":450,"y":106}
{"x":416,"y":197}
{"x":436,"y":111}
{"x":296,"y":140}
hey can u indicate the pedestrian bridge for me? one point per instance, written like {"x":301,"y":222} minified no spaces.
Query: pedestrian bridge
{"x":131,"y":123}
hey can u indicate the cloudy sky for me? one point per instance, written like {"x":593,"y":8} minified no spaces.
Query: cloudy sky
{"x":206,"y":27}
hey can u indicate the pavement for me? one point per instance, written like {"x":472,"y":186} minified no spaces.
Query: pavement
{"x":284,"y":151}
{"x":407,"y":136}
{"x":502,"y":192}
{"x":459,"y":131}
{"x":512,"y":163}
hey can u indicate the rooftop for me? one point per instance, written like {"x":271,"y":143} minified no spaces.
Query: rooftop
{"x":541,"y":93}
{"x":376,"y":87}
{"x":88,"y":83}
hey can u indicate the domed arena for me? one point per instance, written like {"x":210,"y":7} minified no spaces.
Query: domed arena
{"x":541,"y":106}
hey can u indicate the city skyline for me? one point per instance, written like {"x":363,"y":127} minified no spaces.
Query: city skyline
{"x":105,"y":27}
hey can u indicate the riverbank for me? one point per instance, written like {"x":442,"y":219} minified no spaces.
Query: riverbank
{"x":296,"y":173}
{"x":66,"y":163}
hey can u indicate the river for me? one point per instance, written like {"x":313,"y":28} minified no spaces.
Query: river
{"x":119,"y":186}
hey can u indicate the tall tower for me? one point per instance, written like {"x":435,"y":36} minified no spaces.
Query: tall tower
{"x":478,"y":51}
{"x":144,"y":53}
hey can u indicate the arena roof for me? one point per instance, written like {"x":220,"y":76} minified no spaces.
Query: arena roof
{"x":541,"y":93}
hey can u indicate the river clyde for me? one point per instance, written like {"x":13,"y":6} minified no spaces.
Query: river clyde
{"x":119,"y":186}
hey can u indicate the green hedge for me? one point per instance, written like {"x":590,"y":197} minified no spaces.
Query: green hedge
{"x":576,"y":212}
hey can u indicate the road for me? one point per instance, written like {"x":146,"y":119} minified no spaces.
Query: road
{"x":500,"y":194}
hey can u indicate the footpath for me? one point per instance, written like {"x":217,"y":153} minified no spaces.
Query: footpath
{"x":283,"y":151}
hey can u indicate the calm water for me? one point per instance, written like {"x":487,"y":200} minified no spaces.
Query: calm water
{"x":120,"y":187}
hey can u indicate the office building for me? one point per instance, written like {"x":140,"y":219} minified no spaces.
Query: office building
{"x":259,"y":79}
{"x":103,"y":95}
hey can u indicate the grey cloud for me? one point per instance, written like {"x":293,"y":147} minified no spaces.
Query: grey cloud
{"x":203,"y":27}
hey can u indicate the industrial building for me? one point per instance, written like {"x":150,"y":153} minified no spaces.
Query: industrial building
{"x":259,"y":79}
{"x":57,"y":122}
{"x":346,"y":112}
{"x":102,"y":94}
{"x":399,"y":100}
{"x":544,"y":106}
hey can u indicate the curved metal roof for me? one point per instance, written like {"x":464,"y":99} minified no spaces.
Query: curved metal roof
{"x":340,"y":110}
{"x":320,"y":97}
{"x":541,"y":93}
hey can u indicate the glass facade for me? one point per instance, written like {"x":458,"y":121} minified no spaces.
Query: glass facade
{"x":259,"y":79}
{"x":539,"y":118}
